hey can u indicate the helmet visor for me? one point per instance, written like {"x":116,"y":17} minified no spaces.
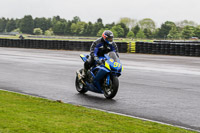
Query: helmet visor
{"x":110,"y":39}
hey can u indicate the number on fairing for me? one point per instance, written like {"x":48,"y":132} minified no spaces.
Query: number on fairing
{"x":117,"y":64}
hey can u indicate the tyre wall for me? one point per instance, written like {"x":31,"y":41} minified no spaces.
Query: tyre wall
{"x":55,"y":44}
{"x":182,"y":48}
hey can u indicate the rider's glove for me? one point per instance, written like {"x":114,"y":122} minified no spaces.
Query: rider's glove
{"x":96,"y":58}
{"x":99,"y":62}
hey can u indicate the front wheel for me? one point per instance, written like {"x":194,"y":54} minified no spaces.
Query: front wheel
{"x":111,"y":90}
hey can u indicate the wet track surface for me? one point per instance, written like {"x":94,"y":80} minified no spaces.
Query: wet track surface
{"x":156,"y":87}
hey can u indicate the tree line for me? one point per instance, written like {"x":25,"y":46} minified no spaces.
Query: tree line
{"x":124,"y":28}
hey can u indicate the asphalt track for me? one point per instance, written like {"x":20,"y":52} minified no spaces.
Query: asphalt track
{"x":156,"y":87}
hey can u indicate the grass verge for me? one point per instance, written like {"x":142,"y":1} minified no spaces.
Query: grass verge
{"x":26,"y":114}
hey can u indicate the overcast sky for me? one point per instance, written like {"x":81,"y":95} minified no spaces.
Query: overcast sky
{"x":109,"y":10}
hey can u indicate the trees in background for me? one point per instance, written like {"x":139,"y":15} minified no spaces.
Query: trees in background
{"x":174,"y":33}
{"x":164,"y":30}
{"x":97,"y":26}
{"x":197,"y":31}
{"x":42,"y":23}
{"x":79,"y":28}
{"x":118,"y":30}
{"x":140,"y":34}
{"x":49,"y":32}
{"x":125,"y":27}
{"x":148,"y":33}
{"x":135,"y":29}
{"x":58,"y":27}
{"x":37,"y":31}
{"x":148,"y":24}
{"x":89,"y":29}
{"x":188,"y":32}
{"x":3,"y":23}
{"x":184,"y":23}
{"x":11,"y":25}
{"x":130,"y":34}
{"x":130,"y":23}
{"x":27,"y":24}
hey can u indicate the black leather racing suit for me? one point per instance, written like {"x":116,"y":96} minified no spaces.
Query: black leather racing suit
{"x":99,"y":48}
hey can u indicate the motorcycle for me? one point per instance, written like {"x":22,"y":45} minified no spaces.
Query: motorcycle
{"x":101,"y":78}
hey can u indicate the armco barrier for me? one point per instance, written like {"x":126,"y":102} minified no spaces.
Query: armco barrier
{"x":55,"y":44}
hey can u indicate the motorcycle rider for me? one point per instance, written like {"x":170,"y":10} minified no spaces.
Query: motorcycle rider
{"x":101,"y":46}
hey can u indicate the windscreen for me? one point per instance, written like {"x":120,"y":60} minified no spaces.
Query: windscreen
{"x":113,"y":56}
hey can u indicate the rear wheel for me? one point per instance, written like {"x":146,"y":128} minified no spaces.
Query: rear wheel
{"x":111,"y":90}
{"x":80,"y":87}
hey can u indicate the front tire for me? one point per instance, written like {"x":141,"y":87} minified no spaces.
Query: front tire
{"x":111,"y":90}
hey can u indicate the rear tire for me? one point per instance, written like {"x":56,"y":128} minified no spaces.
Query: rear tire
{"x":111,"y":91}
{"x":80,"y":86}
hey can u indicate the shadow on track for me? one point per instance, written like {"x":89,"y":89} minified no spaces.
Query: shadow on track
{"x":95,"y":99}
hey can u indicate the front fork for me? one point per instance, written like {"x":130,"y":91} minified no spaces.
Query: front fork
{"x":108,"y":80}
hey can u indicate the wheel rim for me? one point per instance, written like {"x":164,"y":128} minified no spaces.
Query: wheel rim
{"x":108,"y":89}
{"x":79,"y":85}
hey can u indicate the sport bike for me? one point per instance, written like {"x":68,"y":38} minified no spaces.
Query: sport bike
{"x":102,"y":77}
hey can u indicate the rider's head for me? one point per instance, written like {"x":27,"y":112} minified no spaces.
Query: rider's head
{"x":108,"y":36}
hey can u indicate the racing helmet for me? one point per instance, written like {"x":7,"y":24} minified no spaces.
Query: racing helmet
{"x":108,"y":36}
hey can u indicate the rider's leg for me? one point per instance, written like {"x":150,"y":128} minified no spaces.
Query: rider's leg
{"x":89,"y":63}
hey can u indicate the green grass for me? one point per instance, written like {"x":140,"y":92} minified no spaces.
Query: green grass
{"x":26,"y":114}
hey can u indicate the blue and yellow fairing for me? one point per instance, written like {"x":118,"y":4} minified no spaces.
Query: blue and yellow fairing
{"x":83,"y":57}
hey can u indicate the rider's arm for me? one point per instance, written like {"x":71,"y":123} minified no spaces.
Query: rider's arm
{"x":94,"y":49}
